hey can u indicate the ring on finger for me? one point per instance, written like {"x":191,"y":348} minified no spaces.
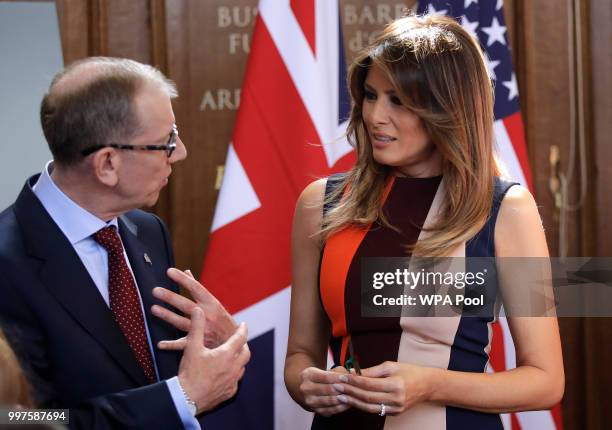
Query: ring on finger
{"x":383,"y":410}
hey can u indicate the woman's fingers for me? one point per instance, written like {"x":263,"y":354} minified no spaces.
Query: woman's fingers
{"x":380,"y":371}
{"x":332,"y":410}
{"x":322,"y":401}
{"x":321,"y":376}
{"x":365,"y":396}
{"x":316,"y":389}
{"x":372,"y":408}
{"x":384,"y":385}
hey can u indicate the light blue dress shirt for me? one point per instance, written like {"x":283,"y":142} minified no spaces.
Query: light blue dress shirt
{"x":78,"y":225}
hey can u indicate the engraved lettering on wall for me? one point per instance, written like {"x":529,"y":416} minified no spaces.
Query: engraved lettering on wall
{"x":238,"y":19}
{"x":362,"y":23}
{"x":220,"y":99}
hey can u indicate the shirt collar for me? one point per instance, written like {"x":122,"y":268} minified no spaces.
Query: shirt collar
{"x":75,"y":222}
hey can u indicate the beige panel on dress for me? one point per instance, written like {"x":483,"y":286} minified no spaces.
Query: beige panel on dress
{"x":427,"y":341}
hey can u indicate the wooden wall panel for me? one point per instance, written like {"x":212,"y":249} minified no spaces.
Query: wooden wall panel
{"x":598,"y":348}
{"x":542,"y":48}
{"x":74,"y":23}
{"x":126,"y":30}
{"x":600,"y":32}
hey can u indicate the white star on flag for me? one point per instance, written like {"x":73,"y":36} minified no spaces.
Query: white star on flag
{"x":500,"y":4}
{"x":495,"y":32}
{"x":512,"y":87}
{"x":492,"y":64}
{"x":469,"y":2}
{"x":470,"y":26}
{"x":432,"y":10}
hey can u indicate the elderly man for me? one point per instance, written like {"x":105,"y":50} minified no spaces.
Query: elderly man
{"x":84,"y":274}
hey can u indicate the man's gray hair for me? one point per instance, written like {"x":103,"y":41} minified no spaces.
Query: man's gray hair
{"x":90,"y":103}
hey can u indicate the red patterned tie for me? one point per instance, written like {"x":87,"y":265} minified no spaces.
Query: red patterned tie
{"x":124,"y":301}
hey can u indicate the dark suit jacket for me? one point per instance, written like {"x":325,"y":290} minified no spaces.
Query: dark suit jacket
{"x":72,"y":349}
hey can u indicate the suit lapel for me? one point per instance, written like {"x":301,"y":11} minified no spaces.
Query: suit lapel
{"x":145,"y":269}
{"x":65,"y":276}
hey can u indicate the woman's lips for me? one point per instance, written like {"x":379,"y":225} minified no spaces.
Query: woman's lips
{"x":381,"y":140}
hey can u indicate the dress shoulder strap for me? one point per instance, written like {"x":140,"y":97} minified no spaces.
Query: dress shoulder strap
{"x":483,"y":243}
{"x":332,"y":183}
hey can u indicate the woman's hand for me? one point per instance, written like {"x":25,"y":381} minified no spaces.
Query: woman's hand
{"x":398,"y":386}
{"x":318,"y":390}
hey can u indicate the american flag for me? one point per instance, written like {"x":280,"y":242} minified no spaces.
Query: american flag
{"x":294,"y":104}
{"x":485,"y":21}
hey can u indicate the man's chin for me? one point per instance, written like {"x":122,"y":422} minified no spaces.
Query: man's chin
{"x":151,"y":201}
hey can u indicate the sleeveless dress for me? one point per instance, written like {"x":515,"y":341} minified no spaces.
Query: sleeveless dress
{"x":456,"y":343}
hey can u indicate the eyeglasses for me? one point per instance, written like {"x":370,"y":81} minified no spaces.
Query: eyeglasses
{"x":168,"y":147}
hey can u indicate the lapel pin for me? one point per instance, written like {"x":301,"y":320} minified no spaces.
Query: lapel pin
{"x":147,"y":259}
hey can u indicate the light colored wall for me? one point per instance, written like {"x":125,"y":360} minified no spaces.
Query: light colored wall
{"x":30,"y":54}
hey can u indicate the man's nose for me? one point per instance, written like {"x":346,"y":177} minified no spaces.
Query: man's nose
{"x":180,"y":153}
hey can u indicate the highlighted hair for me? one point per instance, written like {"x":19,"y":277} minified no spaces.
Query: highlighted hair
{"x":438,"y":72}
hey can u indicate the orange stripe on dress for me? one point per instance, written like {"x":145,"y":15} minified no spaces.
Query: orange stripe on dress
{"x":340,"y":248}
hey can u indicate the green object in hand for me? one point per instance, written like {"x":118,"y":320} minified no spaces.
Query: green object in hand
{"x":352,"y":362}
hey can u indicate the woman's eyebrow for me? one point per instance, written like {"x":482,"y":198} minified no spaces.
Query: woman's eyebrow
{"x":388,"y":92}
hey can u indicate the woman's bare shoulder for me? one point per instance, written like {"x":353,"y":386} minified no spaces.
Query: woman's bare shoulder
{"x":313,"y":194}
{"x":518,"y":230}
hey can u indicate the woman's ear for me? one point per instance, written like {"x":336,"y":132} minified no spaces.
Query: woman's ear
{"x":106,"y":164}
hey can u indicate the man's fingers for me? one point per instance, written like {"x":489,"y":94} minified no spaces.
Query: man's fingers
{"x":184,"y":280}
{"x":244,"y":355}
{"x":237,"y":340}
{"x":171,"y":318}
{"x":181,"y":303}
{"x":187,"y":281}
{"x":173,"y":345}
{"x":180,"y":278}
{"x":188,"y":272}
{"x":195,"y":337}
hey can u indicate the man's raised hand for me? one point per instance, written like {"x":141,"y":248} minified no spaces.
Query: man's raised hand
{"x":210,"y":376}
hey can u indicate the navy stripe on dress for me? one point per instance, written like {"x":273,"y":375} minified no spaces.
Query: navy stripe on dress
{"x":468,"y":350}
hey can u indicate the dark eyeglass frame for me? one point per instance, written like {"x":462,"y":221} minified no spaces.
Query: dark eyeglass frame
{"x":169,"y":147}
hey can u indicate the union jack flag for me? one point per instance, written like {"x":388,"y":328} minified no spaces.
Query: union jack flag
{"x":294,"y":106}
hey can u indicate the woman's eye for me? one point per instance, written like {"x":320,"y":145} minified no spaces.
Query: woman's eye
{"x":369,"y":95}
{"x":396,"y":101}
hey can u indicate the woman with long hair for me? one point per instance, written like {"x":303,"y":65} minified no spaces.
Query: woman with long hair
{"x":14,"y":389}
{"x":425,"y":183}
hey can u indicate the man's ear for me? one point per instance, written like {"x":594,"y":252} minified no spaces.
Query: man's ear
{"x":106,"y":164}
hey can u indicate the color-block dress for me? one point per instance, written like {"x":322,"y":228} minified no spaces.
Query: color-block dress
{"x":456,"y":343}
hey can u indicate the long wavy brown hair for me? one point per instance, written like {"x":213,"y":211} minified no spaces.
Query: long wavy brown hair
{"x":14,"y":389}
{"x":438,"y":72}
